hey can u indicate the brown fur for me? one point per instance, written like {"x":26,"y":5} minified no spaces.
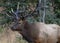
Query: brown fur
{"x":38,"y":32}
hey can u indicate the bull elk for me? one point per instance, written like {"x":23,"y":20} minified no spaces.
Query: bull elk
{"x":36,"y":32}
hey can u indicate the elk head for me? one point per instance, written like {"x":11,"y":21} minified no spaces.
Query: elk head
{"x":20,"y":25}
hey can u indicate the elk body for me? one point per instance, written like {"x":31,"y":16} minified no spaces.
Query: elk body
{"x":37,"y":32}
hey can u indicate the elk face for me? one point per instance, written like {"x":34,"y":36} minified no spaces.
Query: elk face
{"x":19,"y":27}
{"x":16,"y":27}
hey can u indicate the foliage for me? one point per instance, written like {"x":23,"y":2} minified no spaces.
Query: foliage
{"x":50,"y":18}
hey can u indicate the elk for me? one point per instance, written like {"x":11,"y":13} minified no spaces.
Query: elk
{"x":36,"y":32}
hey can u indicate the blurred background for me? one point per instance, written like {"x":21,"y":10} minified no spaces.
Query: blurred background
{"x":47,"y":11}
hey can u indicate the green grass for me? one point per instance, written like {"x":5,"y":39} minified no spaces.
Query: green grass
{"x":1,"y":29}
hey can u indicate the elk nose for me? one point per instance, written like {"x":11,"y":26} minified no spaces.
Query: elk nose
{"x":13,"y":28}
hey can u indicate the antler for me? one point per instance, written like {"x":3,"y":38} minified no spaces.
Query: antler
{"x":16,"y":12}
{"x":22,"y":12}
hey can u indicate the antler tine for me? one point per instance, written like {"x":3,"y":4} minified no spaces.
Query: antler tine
{"x":16,"y":12}
{"x":8,"y":15}
{"x":18,"y":6}
{"x":9,"y":11}
{"x":12,"y":10}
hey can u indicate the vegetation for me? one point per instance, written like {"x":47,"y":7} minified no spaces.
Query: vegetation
{"x":52,"y":12}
